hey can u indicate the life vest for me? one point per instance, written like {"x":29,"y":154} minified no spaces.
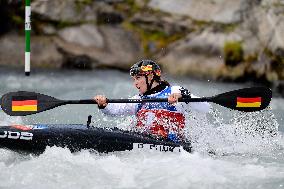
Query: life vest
{"x":161,"y":118}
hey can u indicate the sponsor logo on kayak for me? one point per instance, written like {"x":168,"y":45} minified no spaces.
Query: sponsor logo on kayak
{"x":29,"y":127}
{"x":40,"y":127}
{"x":155,"y":147}
{"x":16,"y":135}
{"x":23,"y":127}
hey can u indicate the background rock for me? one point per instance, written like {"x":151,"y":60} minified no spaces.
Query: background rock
{"x":64,"y":11}
{"x":85,"y":35}
{"x":222,"y":11}
{"x":45,"y":53}
{"x":112,"y":46}
{"x":235,"y":40}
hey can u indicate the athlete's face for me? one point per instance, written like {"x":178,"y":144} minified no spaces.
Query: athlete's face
{"x":140,"y":83}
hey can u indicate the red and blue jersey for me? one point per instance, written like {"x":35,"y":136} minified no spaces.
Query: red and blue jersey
{"x":158,"y":118}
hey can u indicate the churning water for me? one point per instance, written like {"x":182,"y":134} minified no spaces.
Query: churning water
{"x":231,"y":149}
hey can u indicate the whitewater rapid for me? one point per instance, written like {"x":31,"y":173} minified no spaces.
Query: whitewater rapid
{"x":228,"y":153}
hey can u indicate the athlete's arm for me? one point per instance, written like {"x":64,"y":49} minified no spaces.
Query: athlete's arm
{"x":115,"y":109}
{"x":198,"y":106}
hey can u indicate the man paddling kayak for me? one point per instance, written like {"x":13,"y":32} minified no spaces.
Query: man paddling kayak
{"x":164,"y":119}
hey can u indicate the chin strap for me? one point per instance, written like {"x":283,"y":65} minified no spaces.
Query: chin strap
{"x":149,"y":86}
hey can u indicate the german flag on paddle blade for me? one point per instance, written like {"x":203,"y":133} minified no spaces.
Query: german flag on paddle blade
{"x":24,"y":103}
{"x":246,"y":102}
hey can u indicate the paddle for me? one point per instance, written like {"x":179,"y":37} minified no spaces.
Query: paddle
{"x":24,"y":103}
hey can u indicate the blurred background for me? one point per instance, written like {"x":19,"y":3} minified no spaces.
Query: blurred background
{"x":222,"y":40}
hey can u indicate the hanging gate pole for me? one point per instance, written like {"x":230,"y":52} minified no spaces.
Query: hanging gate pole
{"x":28,"y":37}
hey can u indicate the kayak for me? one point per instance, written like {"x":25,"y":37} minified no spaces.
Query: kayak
{"x":35,"y":138}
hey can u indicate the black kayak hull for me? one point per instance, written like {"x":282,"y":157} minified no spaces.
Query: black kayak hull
{"x":35,"y":138}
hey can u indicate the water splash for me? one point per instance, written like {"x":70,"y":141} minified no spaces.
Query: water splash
{"x":9,"y":120}
{"x":244,"y":133}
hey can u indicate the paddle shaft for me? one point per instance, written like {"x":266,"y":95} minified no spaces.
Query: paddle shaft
{"x":90,"y":101}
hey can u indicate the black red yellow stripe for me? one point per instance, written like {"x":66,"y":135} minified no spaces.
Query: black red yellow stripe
{"x":24,"y":104}
{"x":245,"y":102}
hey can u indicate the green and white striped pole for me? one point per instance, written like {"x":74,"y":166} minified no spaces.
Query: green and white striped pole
{"x":28,"y":38}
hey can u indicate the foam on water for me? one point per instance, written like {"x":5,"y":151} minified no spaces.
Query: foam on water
{"x":8,"y":120}
{"x":58,"y":168}
{"x":245,"y":133}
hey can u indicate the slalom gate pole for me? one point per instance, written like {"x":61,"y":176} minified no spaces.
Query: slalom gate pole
{"x":27,"y":37}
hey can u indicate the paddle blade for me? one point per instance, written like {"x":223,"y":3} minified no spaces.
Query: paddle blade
{"x":23,"y":103}
{"x":247,"y":99}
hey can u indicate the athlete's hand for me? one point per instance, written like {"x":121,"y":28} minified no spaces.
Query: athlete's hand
{"x":173,"y":98}
{"x":101,"y":101}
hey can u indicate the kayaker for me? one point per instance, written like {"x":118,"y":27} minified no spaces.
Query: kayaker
{"x":161,"y":119}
